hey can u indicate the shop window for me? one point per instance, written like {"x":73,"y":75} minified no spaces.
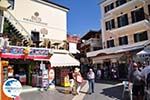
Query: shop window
{"x":123,"y":40}
{"x":122,"y":20}
{"x":110,"y":43}
{"x":137,"y":15}
{"x":140,"y":36}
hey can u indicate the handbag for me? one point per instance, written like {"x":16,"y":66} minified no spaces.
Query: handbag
{"x":79,"y":79}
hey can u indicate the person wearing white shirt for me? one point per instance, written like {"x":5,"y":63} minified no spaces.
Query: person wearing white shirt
{"x":91,"y":80}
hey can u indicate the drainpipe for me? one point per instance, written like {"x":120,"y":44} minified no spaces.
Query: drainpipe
{"x":1,"y":21}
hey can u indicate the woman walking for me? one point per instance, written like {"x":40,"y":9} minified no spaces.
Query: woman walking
{"x":78,"y":79}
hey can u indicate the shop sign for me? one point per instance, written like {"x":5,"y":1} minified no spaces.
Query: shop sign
{"x":20,"y":50}
{"x":12,"y":88}
{"x":35,"y":19}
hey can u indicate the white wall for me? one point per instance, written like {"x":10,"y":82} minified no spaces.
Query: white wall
{"x":54,"y":19}
{"x":73,"y":48}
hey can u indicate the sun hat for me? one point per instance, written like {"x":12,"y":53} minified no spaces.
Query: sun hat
{"x":76,"y":69}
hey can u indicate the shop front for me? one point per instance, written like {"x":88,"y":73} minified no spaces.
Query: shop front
{"x":27,"y":63}
{"x":62,"y":62}
{"x":37,"y":66}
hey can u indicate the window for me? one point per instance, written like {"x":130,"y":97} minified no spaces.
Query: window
{"x":149,"y":9}
{"x":122,"y":20}
{"x":12,"y":4}
{"x":120,"y":2}
{"x":123,"y":40}
{"x":110,"y":43}
{"x":35,"y":36}
{"x":109,"y":7}
{"x":137,"y":15}
{"x":110,"y":24}
{"x":140,"y":36}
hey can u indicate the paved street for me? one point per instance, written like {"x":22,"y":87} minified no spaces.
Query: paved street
{"x":57,"y":94}
{"x":104,"y":90}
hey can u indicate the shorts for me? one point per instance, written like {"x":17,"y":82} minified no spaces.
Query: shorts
{"x":71,"y":82}
{"x":138,"y":90}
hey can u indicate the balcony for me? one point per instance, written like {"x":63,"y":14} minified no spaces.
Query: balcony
{"x":125,"y":7}
{"x":94,"y":42}
{"x":144,"y":24}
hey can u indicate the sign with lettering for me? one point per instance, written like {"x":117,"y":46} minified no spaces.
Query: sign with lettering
{"x":20,"y":50}
{"x":35,"y":19}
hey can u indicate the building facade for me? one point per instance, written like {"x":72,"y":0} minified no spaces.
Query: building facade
{"x":38,"y":20}
{"x":72,"y":44}
{"x":125,"y":31}
{"x":125,"y":22}
{"x":40,"y":27}
{"x":89,"y":42}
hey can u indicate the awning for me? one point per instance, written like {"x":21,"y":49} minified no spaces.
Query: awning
{"x":118,"y":49}
{"x":61,"y":59}
{"x":144,"y":52}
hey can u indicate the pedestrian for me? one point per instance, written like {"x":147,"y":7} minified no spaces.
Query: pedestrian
{"x":71,"y":81}
{"x":145,"y":74}
{"x":91,"y":80}
{"x":99,"y":74}
{"x":78,"y":79}
{"x":136,"y":79}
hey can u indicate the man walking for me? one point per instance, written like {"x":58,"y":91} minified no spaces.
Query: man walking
{"x":91,"y":80}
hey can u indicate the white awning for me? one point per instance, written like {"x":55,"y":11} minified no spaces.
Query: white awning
{"x":60,"y":59}
{"x":143,"y":52}
{"x":118,"y":49}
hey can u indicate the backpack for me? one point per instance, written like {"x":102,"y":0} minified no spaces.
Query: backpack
{"x":148,"y":80}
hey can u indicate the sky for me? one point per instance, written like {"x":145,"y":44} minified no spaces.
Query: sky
{"x":84,"y":15}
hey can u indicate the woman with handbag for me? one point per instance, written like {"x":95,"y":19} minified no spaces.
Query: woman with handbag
{"x":78,"y":79}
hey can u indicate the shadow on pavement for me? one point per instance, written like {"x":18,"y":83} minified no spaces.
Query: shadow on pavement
{"x":63,"y":90}
{"x":113,"y":92}
{"x":83,"y":92}
{"x":112,"y":82}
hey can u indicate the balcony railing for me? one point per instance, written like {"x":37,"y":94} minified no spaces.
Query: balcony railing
{"x":92,"y":42}
{"x":137,"y":24}
{"x":18,"y":25}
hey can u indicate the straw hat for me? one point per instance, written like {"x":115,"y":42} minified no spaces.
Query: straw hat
{"x":76,"y":69}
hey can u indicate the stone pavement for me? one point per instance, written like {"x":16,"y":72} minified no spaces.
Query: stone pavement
{"x":60,"y":93}
{"x":104,"y":90}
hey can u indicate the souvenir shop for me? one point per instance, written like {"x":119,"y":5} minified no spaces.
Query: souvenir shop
{"x":37,"y":66}
{"x":29,"y":65}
